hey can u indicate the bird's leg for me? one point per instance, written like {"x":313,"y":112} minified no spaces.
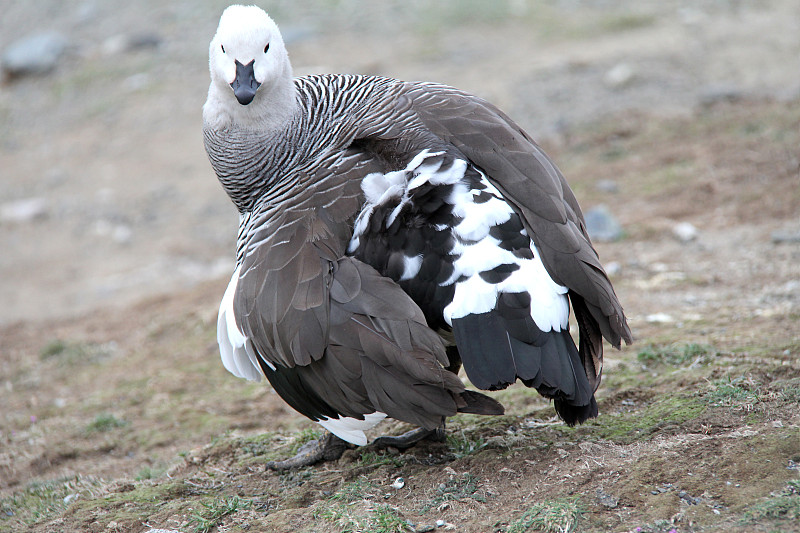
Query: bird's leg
{"x":454,"y":358}
{"x":328,"y":447}
{"x":410,"y":438}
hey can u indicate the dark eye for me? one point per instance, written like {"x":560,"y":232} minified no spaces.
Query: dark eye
{"x":266,"y":48}
{"x":223,"y":48}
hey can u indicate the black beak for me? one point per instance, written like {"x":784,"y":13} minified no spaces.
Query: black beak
{"x":245,"y":84}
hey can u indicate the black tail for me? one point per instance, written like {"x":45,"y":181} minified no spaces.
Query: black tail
{"x":497,"y":350}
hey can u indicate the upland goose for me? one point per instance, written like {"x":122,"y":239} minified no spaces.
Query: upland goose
{"x":390,"y":231}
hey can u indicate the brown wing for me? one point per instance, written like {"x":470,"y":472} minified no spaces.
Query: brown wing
{"x":530,"y":181}
{"x":334,"y":337}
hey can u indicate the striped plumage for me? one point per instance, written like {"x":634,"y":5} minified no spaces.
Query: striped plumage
{"x":468,"y":244}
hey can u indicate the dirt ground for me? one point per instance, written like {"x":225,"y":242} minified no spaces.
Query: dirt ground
{"x":117,"y":415}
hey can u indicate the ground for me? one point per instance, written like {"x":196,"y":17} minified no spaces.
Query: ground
{"x":118,"y":415}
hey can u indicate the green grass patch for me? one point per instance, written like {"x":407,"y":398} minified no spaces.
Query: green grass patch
{"x":354,"y":491}
{"x":781,"y":506}
{"x":371,"y":458}
{"x":105,"y":422}
{"x":733,"y":392}
{"x":130,"y":507}
{"x":629,"y":427}
{"x":149,"y":473}
{"x":212,"y":512}
{"x":75,"y":352}
{"x":462,"y":445}
{"x":553,"y":516}
{"x":457,"y":488}
{"x":41,"y":500}
{"x":790,"y":394}
{"x":380,"y":518}
{"x":675,"y":354}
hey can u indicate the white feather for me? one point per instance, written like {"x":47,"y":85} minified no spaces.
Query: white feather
{"x":236,"y":350}
{"x":411,"y":266}
{"x":352,"y":429}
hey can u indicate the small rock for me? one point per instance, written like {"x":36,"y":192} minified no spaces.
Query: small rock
{"x":602,"y":225}
{"x":609,"y":186}
{"x":138,"y":41}
{"x":34,"y":54}
{"x":619,"y":76}
{"x":659,"y":318}
{"x":684,"y":232}
{"x":782,"y":237}
{"x":714,"y":94}
{"x":21,"y":211}
{"x":119,"y":44}
{"x":606,"y":500}
{"x":613,"y":268}
{"x":424,"y":529}
{"x":685,"y":496}
{"x":136,"y":82}
{"x":399,"y":483}
{"x":440,"y":523}
{"x":122,"y":234}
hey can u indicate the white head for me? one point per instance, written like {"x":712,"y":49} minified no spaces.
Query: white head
{"x":251,"y":77}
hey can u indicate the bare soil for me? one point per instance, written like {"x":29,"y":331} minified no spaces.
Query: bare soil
{"x":118,"y":416}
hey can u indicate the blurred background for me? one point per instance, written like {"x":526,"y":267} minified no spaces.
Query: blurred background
{"x":106,"y":195}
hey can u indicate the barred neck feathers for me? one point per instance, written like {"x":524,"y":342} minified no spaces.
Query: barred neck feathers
{"x":251,"y":76}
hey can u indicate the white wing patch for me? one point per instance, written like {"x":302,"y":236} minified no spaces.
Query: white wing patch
{"x":236,"y":350}
{"x":478,"y":252}
{"x":352,"y":429}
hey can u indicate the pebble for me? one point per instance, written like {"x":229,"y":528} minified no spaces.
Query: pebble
{"x":613,"y":268}
{"x":35,"y":54}
{"x":714,"y":94}
{"x":602,"y":225}
{"x":609,"y":186}
{"x":25,"y":210}
{"x":619,"y":76}
{"x":659,"y":318}
{"x":121,"y":43}
{"x":782,"y":237}
{"x":440,"y":523}
{"x":684,"y":232}
{"x":606,"y":500}
{"x":685,"y":496}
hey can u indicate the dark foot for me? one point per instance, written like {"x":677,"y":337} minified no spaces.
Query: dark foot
{"x":328,"y":447}
{"x":410,"y":438}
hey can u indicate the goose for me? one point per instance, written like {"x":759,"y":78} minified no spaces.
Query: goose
{"x":389,"y":233}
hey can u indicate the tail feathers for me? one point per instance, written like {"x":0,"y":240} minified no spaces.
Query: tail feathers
{"x":575,"y":414}
{"x":494,"y":359}
{"x":480,"y":404}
